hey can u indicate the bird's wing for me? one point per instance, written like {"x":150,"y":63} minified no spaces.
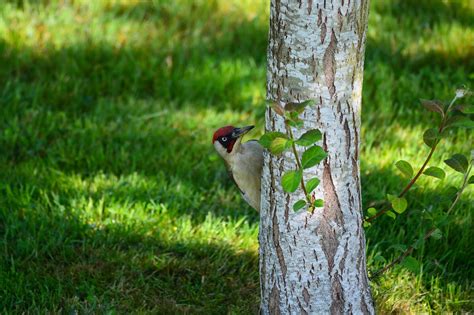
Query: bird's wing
{"x":232,"y":178}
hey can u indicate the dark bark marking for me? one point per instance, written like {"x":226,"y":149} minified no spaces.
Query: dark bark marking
{"x":323,"y":33}
{"x":337,"y":303}
{"x":356,"y":134}
{"x":364,"y":307}
{"x":306,"y":295}
{"x":355,"y":174}
{"x":274,"y":302}
{"x":332,"y":213}
{"x":302,"y":310}
{"x":343,"y":260}
{"x":353,"y":76}
{"x":310,"y":6}
{"x":332,"y":208}
{"x":340,"y":19}
{"x":263,"y":271}
{"x":329,"y":62}
{"x":351,"y":198}
{"x":348,"y":138}
{"x":276,"y":243}
{"x":320,"y":17}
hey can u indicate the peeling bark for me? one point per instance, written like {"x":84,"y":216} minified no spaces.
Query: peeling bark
{"x":315,"y":263}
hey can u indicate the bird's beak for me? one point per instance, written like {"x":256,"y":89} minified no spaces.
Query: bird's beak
{"x":239,"y":132}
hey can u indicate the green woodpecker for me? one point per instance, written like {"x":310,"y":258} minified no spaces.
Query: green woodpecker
{"x":244,"y":161}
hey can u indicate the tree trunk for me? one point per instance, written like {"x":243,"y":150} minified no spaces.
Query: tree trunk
{"x":315,"y":263}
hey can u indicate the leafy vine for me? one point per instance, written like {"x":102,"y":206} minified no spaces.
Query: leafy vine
{"x":451,"y":116}
{"x":278,"y":142}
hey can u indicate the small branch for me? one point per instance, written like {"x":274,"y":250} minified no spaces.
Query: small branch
{"x":298,"y":162}
{"x":441,"y":127}
{"x":428,"y":234}
{"x":409,"y":185}
{"x":420,"y":171}
{"x":401,"y":257}
{"x":464,"y":185}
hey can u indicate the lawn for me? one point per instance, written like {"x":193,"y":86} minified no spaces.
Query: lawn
{"x":112,"y":199}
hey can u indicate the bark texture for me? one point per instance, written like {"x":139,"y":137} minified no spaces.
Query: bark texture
{"x":315,"y":263}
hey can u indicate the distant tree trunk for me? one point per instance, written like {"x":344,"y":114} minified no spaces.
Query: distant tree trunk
{"x":315,"y":263}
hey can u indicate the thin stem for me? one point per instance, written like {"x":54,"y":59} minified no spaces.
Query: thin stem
{"x":464,"y":184}
{"x":451,"y":104}
{"x":420,"y":171}
{"x":441,"y":127}
{"x":409,"y":185}
{"x":295,"y":152}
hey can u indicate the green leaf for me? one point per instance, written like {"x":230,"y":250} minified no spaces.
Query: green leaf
{"x":313,"y":156}
{"x":398,"y":204}
{"x":464,"y":122}
{"x":433,"y":105}
{"x":437,"y":234}
{"x":267,"y":138}
{"x":298,"y":123}
{"x":451,"y":192}
{"x":279,"y":145}
{"x":460,"y":121}
{"x":435,"y":172}
{"x":366,"y":224}
{"x":411,"y":264}
{"x":405,"y":168}
{"x":293,"y":119}
{"x":293,"y":115}
{"x":391,"y":214}
{"x":465,"y":108}
{"x":318,"y":203}
{"x":299,"y":107}
{"x":309,"y":137}
{"x":291,"y":180}
{"x":430,"y":137}
{"x":299,"y":204}
{"x":471,"y":180}
{"x":458,"y":162}
{"x":312,"y":184}
{"x":371,"y":212}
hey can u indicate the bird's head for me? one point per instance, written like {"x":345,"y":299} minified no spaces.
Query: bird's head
{"x":227,"y":139}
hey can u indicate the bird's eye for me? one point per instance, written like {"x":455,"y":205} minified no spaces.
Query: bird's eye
{"x":224,"y":139}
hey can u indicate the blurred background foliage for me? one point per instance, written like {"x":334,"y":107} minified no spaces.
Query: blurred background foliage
{"x":111,"y":197}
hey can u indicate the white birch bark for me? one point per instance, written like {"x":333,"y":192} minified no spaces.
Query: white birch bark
{"x":315,"y":263}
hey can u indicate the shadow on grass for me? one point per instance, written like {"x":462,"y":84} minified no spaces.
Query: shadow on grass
{"x":55,"y":262}
{"x":431,"y":12}
{"x":447,"y":258}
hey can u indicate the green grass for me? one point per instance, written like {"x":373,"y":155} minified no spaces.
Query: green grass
{"x":111,"y":197}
